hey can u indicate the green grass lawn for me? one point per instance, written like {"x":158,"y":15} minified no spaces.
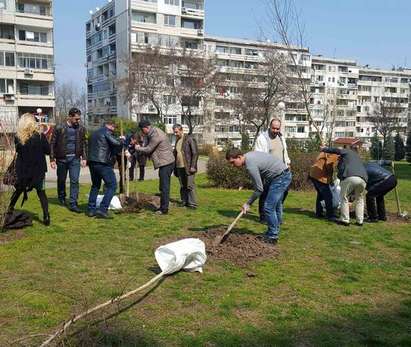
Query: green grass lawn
{"x":329,"y":286}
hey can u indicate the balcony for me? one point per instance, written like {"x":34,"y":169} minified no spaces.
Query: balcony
{"x":192,"y":13}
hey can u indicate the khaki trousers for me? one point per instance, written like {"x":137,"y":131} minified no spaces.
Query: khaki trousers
{"x":349,"y":186}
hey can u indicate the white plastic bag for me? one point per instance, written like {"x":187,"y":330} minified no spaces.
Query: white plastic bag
{"x":115,"y":203}
{"x":336,"y":193}
{"x":186,"y":254}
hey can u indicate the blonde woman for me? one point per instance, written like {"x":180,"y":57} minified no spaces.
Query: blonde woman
{"x":31,"y":166}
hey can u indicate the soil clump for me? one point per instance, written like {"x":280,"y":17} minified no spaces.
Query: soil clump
{"x":237,"y":248}
{"x":136,"y":202}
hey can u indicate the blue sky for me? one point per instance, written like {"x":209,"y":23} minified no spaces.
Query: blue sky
{"x":374,"y":32}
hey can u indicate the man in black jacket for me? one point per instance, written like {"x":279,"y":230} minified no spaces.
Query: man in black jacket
{"x":103,"y":147}
{"x":353,"y":176}
{"x":68,"y":153}
{"x":380,"y":182}
{"x":186,"y":155}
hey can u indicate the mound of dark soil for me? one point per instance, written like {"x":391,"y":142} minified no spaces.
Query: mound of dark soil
{"x":136,"y":202}
{"x":237,"y":248}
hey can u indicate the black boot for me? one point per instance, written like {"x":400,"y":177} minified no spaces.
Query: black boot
{"x":46,"y":219}
{"x":45,"y":206}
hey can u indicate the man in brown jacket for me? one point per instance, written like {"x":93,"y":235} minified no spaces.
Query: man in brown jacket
{"x":186,"y":156}
{"x":161,"y":152}
{"x":321,"y":174}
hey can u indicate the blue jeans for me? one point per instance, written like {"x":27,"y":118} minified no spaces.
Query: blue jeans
{"x":273,"y":205}
{"x":98,"y":172}
{"x":72,"y":166}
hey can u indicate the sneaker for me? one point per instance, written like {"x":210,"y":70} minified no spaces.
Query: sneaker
{"x":332,"y":219}
{"x":90,"y":214}
{"x":340,"y":222}
{"x":75,"y":209}
{"x":371,"y":220}
{"x":160,"y":212}
{"x":103,"y":215}
{"x":359,"y":224}
{"x":191,"y":207}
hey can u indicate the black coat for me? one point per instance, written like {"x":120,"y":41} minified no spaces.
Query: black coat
{"x":103,"y":146}
{"x":376,"y":175}
{"x":59,"y":140}
{"x":31,"y":165}
{"x":349,"y":164}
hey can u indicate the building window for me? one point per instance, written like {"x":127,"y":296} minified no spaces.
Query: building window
{"x":144,"y":17}
{"x":38,"y":9}
{"x":6,"y":31}
{"x":170,"y":119}
{"x":172,"y":2}
{"x":34,"y":61}
{"x":300,"y":129}
{"x":34,"y":89}
{"x":9,"y":59}
{"x":6,"y":86}
{"x":3,"y":4}
{"x":170,"y":20}
{"x":25,"y":35}
{"x":191,"y":24}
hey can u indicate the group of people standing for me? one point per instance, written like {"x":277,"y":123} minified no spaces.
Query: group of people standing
{"x":70,"y":150}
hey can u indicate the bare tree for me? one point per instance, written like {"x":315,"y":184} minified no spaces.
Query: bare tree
{"x":148,"y":80}
{"x":386,"y":116}
{"x":260,"y":92}
{"x":284,"y":23}
{"x":194,"y":77}
{"x":69,"y":95}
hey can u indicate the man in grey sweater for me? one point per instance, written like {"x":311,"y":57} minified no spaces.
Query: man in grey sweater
{"x":271,"y":177}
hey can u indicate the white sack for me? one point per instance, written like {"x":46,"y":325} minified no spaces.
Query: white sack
{"x":336,"y":193}
{"x":115,"y":203}
{"x":187,"y":254}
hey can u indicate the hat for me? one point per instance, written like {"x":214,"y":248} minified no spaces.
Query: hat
{"x":144,"y":124}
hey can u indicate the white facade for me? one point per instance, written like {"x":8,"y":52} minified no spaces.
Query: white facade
{"x":26,"y":59}
{"x":125,"y":26}
{"x":342,"y":93}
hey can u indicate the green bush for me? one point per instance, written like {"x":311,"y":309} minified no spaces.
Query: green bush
{"x":223,"y":175}
{"x":206,"y":150}
{"x":300,"y":168}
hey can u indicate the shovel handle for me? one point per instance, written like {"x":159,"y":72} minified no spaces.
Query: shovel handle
{"x":234,"y":223}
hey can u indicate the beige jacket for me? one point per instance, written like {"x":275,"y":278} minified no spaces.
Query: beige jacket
{"x":158,"y":148}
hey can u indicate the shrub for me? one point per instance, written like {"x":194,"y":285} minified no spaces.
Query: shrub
{"x":300,"y":168}
{"x":223,"y":175}
{"x":206,"y":149}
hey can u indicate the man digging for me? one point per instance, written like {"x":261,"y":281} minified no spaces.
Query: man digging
{"x":269,"y":176}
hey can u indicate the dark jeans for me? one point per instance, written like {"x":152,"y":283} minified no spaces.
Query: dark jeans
{"x":375,"y":198}
{"x":142,"y":172}
{"x":72,"y":166}
{"x":132,"y":167}
{"x":323,"y":194}
{"x":187,"y":188}
{"x":164,"y":174}
{"x":273,"y":205}
{"x":99,"y":172}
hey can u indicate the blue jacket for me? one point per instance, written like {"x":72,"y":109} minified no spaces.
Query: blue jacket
{"x":376,"y":175}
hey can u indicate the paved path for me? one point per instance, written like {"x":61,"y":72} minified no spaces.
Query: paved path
{"x":151,"y":174}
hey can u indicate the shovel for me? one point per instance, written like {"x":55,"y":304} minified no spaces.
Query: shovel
{"x":221,"y":238}
{"x":402,"y":214}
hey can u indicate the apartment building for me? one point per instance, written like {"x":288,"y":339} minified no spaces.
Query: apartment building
{"x":343,"y":95}
{"x":26,"y":59}
{"x":237,"y":60}
{"x":120,"y":29}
